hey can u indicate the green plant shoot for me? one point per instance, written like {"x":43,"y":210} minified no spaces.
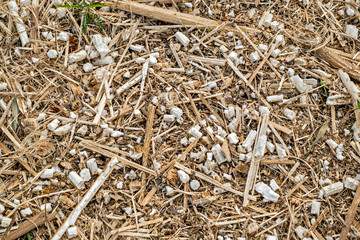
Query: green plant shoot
{"x":87,"y":16}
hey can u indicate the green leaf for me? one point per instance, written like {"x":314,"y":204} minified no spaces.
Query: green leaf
{"x":28,"y":236}
{"x":96,"y":5}
{"x":358,"y":104}
{"x":70,"y":6}
{"x":85,"y":22}
{"x":98,"y":21}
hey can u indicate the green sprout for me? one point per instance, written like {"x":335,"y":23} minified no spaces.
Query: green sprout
{"x":87,"y":16}
{"x":358,"y":103}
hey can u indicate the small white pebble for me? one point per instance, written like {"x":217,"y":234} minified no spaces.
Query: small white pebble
{"x":53,"y":124}
{"x":5,"y":222}
{"x":315,"y":207}
{"x":48,"y":173}
{"x":52,"y":54}
{"x":169,"y":191}
{"x":119,"y":185}
{"x":85,"y":174}
{"x":184,"y":40}
{"x":63,"y":36}
{"x":233,"y":138}
{"x":184,"y":177}
{"x":254,"y":56}
{"x":194,"y":185}
{"x":47,"y":207}
{"x":72,"y":152}
{"x":26,"y":212}
{"x":274,"y":185}
{"x":71,"y":232}
{"x":76,"y":180}
{"x":2,"y":208}
{"x":88,"y":67}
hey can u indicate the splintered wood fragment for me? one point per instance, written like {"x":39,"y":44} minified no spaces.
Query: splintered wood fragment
{"x":265,"y":59}
{"x":149,"y":196}
{"x":19,"y":159}
{"x":211,"y":181}
{"x":171,"y":164}
{"x":208,"y":61}
{"x":147,"y":140}
{"x":212,"y":111}
{"x":243,"y":78}
{"x":121,"y":159}
{"x":330,"y":56}
{"x":29,"y":225}
{"x":117,"y":231}
{"x":100,"y":110}
{"x":166,"y":15}
{"x":255,"y":162}
{"x":278,"y":161}
{"x":317,"y":222}
{"x":296,"y":187}
{"x":206,"y":37}
{"x":177,"y":58}
{"x":193,"y":106}
{"x":351,"y":214}
{"x":86,"y":199}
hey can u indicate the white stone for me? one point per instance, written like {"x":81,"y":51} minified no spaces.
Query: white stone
{"x":299,"y":84}
{"x":26,"y":212}
{"x":260,"y":146}
{"x":117,"y":133}
{"x":299,"y":178}
{"x":72,"y":152}
{"x":137,"y":48}
{"x":274,"y":24}
{"x":315,"y":207}
{"x":233,"y":138}
{"x":227,"y":176}
{"x":188,"y":5}
{"x":77,"y":57}
{"x":267,"y":19}
{"x":291,"y":72}
{"x":52,"y":53}
{"x":266,"y":192}
{"x":333,"y":188}
{"x":3,"y":86}
{"x":184,"y":40}
{"x":249,"y":141}
{"x":71,"y":232}
{"x":184,"y":177}
{"x":82,"y":130}
{"x":254,"y":56}
{"x":275,"y":98}
{"x":194,"y":185}
{"x":47,"y":207}
{"x":47,"y":35}
{"x":14,"y":9}
{"x":194,"y":131}
{"x":76,"y":180}
{"x":48,"y":173}
{"x":289,"y":114}
{"x":5,"y":222}
{"x":128,"y":210}
{"x":352,"y":31}
{"x":169,"y":191}
{"x":61,"y":12}
{"x":271,"y":238}
{"x":63,"y":36}
{"x":331,"y":143}
{"x":274,"y":185}
{"x":100,"y":45}
{"x":233,"y":56}
{"x":169,"y":118}
{"x":53,"y":124}
{"x":177,"y":112}
{"x":92,"y":165}
{"x":63,"y":129}
{"x":350,"y":12}
{"x":263,"y":47}
{"x":127,"y":74}
{"x":184,"y":141}
{"x":270,"y":146}
{"x":120,"y":185}
{"x":232,"y":14}
{"x":85,"y":174}
{"x":104,"y":61}
{"x":275,"y":53}
{"x":223,"y":49}
{"x":229,"y":112}
{"x":88,"y":67}
{"x":2,"y":208}
{"x":218,"y":154}
{"x":300,"y":231}
{"x":351,"y":183}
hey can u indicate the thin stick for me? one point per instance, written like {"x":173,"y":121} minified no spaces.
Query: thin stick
{"x":86,"y":199}
{"x":351,"y":214}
